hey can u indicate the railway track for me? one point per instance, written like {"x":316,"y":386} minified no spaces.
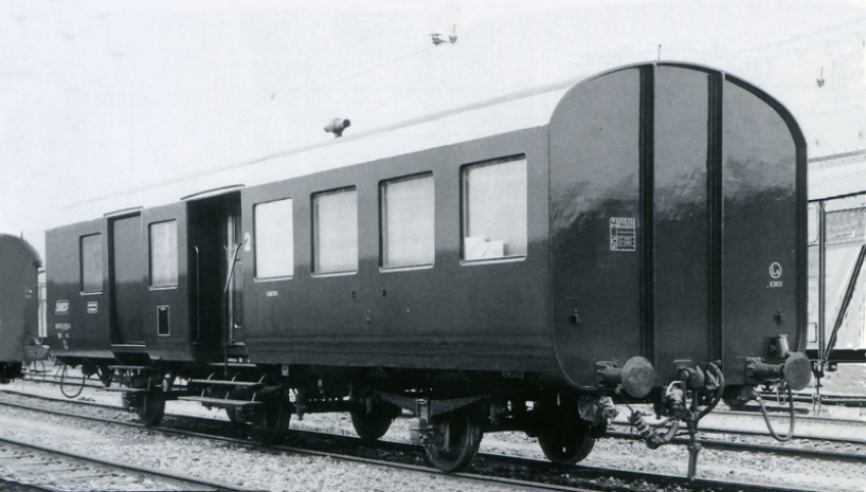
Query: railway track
{"x":13,"y":486}
{"x":500,"y":469}
{"x":44,"y":468}
{"x":622,"y":431}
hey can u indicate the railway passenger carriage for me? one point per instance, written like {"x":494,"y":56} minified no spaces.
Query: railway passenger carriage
{"x":647,"y":235}
{"x":19,"y":306}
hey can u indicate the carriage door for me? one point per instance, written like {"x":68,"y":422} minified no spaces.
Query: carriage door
{"x":215,"y":239}
{"x":126,"y":281}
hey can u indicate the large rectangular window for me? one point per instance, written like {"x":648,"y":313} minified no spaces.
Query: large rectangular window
{"x":335,"y":231}
{"x":91,"y":263}
{"x":407,"y":228}
{"x":495,"y":209}
{"x":163,"y":254}
{"x":274,"y":241}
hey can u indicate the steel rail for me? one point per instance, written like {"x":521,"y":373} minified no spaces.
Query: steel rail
{"x":714,"y":443}
{"x":164,"y":477}
{"x":522,"y":484}
{"x":759,"y":448}
{"x":749,"y":414}
{"x":9,"y":485}
{"x":510,"y":461}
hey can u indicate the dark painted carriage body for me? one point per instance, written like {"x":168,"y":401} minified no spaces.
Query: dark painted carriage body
{"x":127,"y":319}
{"x":19,"y":305}
{"x":665,"y":218}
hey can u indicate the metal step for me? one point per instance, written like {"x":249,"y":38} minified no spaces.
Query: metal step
{"x":128,"y":390}
{"x":245,"y":384}
{"x":220,"y":402}
{"x":142,"y":368}
{"x":246,"y":365}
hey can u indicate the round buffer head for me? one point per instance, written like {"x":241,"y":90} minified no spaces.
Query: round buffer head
{"x":638,"y":376}
{"x":797,"y":371}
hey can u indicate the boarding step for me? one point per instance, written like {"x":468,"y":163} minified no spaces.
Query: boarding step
{"x":239,"y":365}
{"x":132,"y":368}
{"x":127,"y":390}
{"x":246,"y":384}
{"x":220,"y":402}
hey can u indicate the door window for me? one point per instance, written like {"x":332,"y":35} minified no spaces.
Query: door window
{"x":163,"y":254}
{"x":91,"y":263}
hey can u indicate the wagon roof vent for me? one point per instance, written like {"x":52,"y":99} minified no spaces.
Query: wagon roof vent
{"x":337,"y":125}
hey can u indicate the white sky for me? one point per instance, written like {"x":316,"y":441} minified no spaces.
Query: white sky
{"x":100,"y":96}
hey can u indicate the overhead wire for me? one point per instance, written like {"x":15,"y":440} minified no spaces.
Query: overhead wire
{"x":795,"y":38}
{"x":378,"y":67}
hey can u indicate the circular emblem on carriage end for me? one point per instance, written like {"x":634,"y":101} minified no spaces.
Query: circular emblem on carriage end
{"x":775,"y":270}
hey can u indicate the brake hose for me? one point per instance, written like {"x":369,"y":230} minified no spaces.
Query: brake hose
{"x":63,"y":387}
{"x":791,"y":418}
{"x":714,"y":368}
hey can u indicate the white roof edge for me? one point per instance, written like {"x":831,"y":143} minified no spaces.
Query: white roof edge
{"x":511,"y":112}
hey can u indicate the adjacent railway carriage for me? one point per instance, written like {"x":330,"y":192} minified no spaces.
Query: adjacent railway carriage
{"x":19,"y":306}
{"x":641,"y":236}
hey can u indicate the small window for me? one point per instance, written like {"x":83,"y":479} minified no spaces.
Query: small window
{"x":163,"y":254}
{"x":91,"y":263}
{"x":163,"y":327}
{"x":335,"y":231}
{"x":406,"y":223}
{"x":494,"y":208}
{"x":274,"y":244}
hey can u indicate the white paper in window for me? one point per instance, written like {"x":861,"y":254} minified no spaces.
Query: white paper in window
{"x":496,"y":217}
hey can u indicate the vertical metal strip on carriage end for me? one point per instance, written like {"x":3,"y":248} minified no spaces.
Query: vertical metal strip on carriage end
{"x":802,"y":263}
{"x":715,"y":214}
{"x":822,"y":277}
{"x":646,"y":226}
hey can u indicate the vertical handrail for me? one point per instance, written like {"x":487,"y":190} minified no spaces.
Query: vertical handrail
{"x":822,"y":280}
{"x":232,"y":268}
{"x":197,"y":299}
{"x":226,"y":293}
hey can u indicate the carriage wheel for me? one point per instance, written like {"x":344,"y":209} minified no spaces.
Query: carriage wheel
{"x":152,"y":408}
{"x":371,"y":426}
{"x":461,"y":435}
{"x":271,"y":421}
{"x":565,"y":445}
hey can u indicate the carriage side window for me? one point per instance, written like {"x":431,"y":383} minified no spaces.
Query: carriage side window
{"x":494,"y":209}
{"x":407,"y":210}
{"x":335,"y":231}
{"x":274,"y":244}
{"x":91,"y":263}
{"x":163,"y":254}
